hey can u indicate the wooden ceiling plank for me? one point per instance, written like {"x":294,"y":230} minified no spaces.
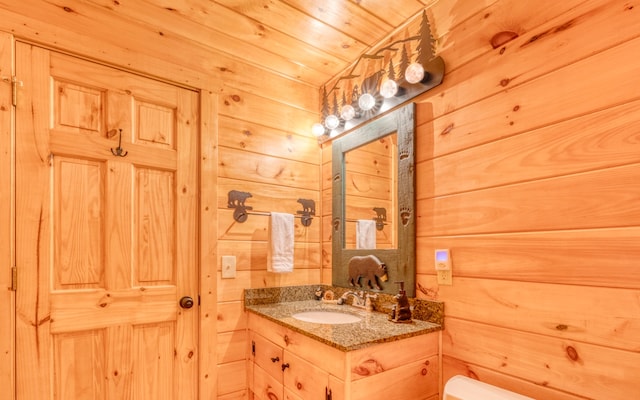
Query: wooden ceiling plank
{"x":241,"y":37}
{"x":294,"y":23}
{"x":26,"y":23}
{"x":347,"y":17}
{"x":395,"y":12}
{"x":105,"y":37}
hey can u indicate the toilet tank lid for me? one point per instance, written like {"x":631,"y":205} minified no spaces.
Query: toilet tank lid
{"x":463,"y":388}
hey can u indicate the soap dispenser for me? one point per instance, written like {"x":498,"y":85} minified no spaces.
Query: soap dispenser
{"x":401,"y":311}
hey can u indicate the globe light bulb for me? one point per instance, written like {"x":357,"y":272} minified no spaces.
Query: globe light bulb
{"x":414,"y":73}
{"x":348,"y":112}
{"x":389,"y":88}
{"x":366,"y":102}
{"x":317,"y":129}
{"x":332,"y":122}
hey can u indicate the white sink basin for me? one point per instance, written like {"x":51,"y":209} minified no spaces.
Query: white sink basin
{"x":327,"y":317}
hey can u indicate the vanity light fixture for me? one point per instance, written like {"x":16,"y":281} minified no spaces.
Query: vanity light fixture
{"x":414,"y":73}
{"x":366,"y":102}
{"x":348,"y":112}
{"x":332,"y":122}
{"x":389,"y":88}
{"x":317,"y":129}
{"x":387,"y":76}
{"x":390,"y":93}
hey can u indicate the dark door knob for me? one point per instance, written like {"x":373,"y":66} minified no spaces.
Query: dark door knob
{"x":186,"y":302}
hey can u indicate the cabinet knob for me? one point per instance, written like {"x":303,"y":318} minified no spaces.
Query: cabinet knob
{"x":285,"y":366}
{"x":275,"y":359}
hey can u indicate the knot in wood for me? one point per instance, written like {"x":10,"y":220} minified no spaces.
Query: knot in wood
{"x":501,"y":38}
{"x":572,"y":353}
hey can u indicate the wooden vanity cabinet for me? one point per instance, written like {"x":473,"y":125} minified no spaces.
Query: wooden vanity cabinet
{"x":406,"y":369}
{"x":277,"y":373}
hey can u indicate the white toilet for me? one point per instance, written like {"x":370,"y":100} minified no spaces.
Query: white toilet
{"x":462,"y":388}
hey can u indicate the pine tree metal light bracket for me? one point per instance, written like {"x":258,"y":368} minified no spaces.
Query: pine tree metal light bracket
{"x":369,"y":72}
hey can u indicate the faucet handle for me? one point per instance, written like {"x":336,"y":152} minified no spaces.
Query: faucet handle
{"x":368,"y":304}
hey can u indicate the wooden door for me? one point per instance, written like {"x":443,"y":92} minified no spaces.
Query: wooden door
{"x":106,"y":232}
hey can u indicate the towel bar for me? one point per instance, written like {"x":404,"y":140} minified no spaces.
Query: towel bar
{"x":380,"y":218}
{"x":236,"y":199}
{"x":379,"y":225}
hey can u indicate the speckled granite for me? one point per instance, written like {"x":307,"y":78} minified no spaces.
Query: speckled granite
{"x":279,"y":303}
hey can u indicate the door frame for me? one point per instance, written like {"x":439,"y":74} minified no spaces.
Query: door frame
{"x":7,"y":216}
{"x":207,"y":221}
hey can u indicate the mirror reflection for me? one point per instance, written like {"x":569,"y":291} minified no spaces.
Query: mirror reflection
{"x":370,"y":194}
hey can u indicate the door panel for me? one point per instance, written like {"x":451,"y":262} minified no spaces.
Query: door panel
{"x":106,"y":197}
{"x":78,"y":261}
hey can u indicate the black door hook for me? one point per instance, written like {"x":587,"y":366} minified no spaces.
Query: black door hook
{"x":119,"y":151}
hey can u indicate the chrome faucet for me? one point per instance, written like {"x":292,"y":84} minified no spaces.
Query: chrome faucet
{"x":358,"y":299}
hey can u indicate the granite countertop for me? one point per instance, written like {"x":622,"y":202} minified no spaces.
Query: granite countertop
{"x":373,"y":328}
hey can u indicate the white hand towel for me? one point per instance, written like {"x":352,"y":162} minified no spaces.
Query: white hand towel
{"x":365,"y":234}
{"x":280,"y":246}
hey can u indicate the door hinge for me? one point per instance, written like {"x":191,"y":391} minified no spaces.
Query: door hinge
{"x":14,"y":279}
{"x":327,"y":393}
{"x":14,"y":85}
{"x":253,"y":348}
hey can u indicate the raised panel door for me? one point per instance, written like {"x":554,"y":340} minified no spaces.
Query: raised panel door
{"x":106,"y":232}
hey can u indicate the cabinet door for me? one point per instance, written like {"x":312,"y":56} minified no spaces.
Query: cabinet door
{"x":265,"y":386}
{"x":290,"y":395}
{"x":337,"y":388}
{"x":268,"y":356}
{"x":303,"y":379}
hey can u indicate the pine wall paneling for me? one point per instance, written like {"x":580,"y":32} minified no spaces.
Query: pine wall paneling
{"x":527,"y":169}
{"x":252,"y":112}
{"x":260,"y":153}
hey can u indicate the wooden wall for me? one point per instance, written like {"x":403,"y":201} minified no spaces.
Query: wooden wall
{"x":257,"y":154}
{"x":255,"y":138}
{"x":527,"y":170}
{"x":528,"y":167}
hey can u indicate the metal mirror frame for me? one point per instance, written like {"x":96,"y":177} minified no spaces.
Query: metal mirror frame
{"x":400,"y":261}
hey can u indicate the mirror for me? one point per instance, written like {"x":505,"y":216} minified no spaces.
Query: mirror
{"x":370,"y":194}
{"x":373,"y":189}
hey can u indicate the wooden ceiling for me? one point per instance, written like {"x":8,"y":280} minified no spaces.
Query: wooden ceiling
{"x":310,"y":41}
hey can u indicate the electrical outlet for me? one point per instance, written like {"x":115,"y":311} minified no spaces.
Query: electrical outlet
{"x":444,"y":277}
{"x":443,"y":266}
{"x":228,"y":267}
